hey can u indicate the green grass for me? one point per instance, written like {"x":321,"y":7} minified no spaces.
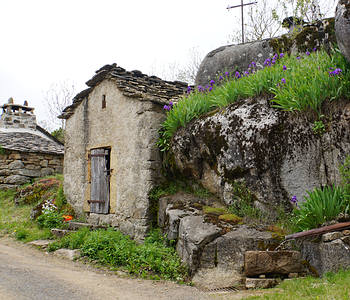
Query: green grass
{"x":15,"y":221}
{"x":331,"y":286}
{"x":307,"y":85}
{"x":154,"y":259}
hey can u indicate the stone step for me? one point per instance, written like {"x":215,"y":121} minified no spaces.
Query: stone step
{"x":72,"y":225}
{"x":42,"y":244}
{"x":67,"y":253}
{"x":61,"y":232}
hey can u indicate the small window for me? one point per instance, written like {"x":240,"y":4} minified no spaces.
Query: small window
{"x":103,"y":101}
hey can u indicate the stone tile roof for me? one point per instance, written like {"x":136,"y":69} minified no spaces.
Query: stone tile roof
{"x":132,"y":84}
{"x":29,"y":142}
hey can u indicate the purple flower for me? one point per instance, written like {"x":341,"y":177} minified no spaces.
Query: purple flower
{"x":253,"y":63}
{"x":337,"y":71}
{"x":226,"y":74}
{"x":189,"y":89}
{"x":307,"y":53}
{"x":294,"y":201}
{"x":246,"y":73}
{"x":171,"y":104}
{"x":281,"y":55}
{"x":237,"y":75}
{"x":210,"y":88}
{"x":298,"y":57}
{"x":212,"y":82}
{"x":221,"y":78}
{"x":314,"y":49}
{"x":267,"y":62}
{"x":166,"y":107}
{"x":273,"y":61}
{"x":283,"y":81}
{"x":284,"y":68}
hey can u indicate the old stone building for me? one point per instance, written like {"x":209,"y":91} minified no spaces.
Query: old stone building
{"x":27,"y":150}
{"x":111,"y":158}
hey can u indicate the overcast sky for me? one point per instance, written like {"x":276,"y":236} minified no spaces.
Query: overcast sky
{"x":47,"y":41}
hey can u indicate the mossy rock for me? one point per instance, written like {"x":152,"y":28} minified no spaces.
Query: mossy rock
{"x":217,"y":211}
{"x":230,"y":218}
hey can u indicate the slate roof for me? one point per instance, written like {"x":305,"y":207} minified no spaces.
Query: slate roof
{"x":132,"y":84}
{"x":29,"y":142}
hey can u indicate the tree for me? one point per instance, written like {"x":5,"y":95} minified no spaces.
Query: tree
{"x":58,"y":97}
{"x":183,"y":72}
{"x":265,"y":19}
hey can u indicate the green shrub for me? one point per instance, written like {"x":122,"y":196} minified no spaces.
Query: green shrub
{"x":60,"y":199}
{"x":321,"y":205}
{"x":109,"y":247}
{"x":50,"y":219}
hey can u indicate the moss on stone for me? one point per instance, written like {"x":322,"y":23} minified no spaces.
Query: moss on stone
{"x":230,"y":218}
{"x":214,"y":210}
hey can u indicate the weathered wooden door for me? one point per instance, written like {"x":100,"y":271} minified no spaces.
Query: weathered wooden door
{"x":100,"y":175}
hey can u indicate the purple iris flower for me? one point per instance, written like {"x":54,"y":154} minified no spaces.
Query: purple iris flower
{"x":166,"y":107}
{"x":226,"y":74}
{"x":189,"y":89}
{"x":307,"y":53}
{"x":294,"y":201}
{"x":273,"y":61}
{"x":314,"y":49}
{"x":171,"y":104}
{"x":237,"y":75}
{"x":298,"y":57}
{"x":281,"y":55}
{"x":200,"y":88}
{"x":212,"y":82}
{"x":267,"y":62}
{"x":284,"y":68}
{"x":221,"y":78}
{"x":283,"y":80}
{"x":210,"y":89}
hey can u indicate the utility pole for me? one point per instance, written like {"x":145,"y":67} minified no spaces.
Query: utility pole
{"x":242,"y":17}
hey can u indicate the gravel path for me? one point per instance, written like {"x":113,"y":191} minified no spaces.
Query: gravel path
{"x":27,"y":273}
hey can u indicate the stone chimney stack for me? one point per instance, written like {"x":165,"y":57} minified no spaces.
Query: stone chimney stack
{"x":17,"y":116}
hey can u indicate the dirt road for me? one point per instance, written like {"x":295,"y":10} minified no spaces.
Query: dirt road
{"x":27,"y":273}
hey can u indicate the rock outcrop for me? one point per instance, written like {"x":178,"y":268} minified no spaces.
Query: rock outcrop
{"x":233,"y":58}
{"x":277,"y":154}
{"x":342,"y":27}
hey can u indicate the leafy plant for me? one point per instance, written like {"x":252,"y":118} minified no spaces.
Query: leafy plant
{"x":321,"y":205}
{"x":50,"y":219}
{"x":318,"y":127}
{"x":344,"y":170}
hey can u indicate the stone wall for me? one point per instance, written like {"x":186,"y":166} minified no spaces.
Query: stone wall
{"x":128,"y":127}
{"x":18,"y":168}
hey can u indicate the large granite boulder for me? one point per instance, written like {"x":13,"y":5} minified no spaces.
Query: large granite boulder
{"x":277,"y":154}
{"x":233,"y":58}
{"x":342,"y":27}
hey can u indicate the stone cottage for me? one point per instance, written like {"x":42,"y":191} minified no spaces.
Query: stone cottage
{"x":111,"y":158}
{"x":27,"y":150}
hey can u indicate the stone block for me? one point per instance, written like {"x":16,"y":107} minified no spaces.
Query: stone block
{"x":194,"y":234}
{"x":44,"y":163}
{"x":16,"y":179}
{"x":17,"y":164}
{"x":46,"y":172}
{"x":4,"y":172}
{"x":15,"y":156}
{"x":293,"y":275}
{"x":32,"y":167}
{"x":326,"y":257}
{"x":272,"y":262}
{"x":42,"y":244}
{"x":28,"y":173}
{"x":261,"y":283}
{"x":68,"y":253}
{"x":173,"y":221}
{"x":60,"y":232}
{"x":331,"y":236}
{"x":346,"y":240}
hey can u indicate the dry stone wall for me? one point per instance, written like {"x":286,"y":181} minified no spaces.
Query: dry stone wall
{"x":18,"y":168}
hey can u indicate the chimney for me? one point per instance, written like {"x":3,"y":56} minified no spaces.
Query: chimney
{"x":17,"y":116}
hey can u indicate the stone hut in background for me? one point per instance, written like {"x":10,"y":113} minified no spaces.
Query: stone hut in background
{"x":111,"y":158}
{"x":27,"y":150}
